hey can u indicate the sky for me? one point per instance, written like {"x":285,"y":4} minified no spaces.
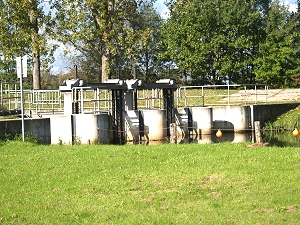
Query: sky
{"x":58,"y":65}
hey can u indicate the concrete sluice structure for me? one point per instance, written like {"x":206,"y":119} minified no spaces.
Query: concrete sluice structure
{"x":120,"y":121}
{"x":121,"y":116}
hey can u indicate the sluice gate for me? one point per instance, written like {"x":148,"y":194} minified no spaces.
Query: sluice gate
{"x":122,"y":111}
{"x":129,"y":120}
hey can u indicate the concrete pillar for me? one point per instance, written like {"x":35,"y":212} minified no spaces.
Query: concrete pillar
{"x":61,"y":129}
{"x":68,"y":106}
{"x":91,"y":128}
{"x":155,"y":124}
{"x":202,"y":119}
{"x":242,"y":137}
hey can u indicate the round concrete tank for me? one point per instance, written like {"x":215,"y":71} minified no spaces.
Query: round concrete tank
{"x":155,"y":125}
{"x":202,"y":119}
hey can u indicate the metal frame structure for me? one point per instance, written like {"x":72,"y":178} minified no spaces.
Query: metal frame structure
{"x":118,"y":90}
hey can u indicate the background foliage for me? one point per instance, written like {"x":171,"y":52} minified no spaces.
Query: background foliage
{"x":201,"y":42}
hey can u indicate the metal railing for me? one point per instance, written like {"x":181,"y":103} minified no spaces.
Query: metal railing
{"x":91,"y":99}
{"x":35,"y":101}
{"x":44,"y":101}
{"x":96,"y":100}
{"x":238,"y":94}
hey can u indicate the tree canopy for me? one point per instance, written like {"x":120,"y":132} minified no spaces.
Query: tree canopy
{"x":201,"y":42}
{"x":23,"y":26}
{"x":232,"y":41}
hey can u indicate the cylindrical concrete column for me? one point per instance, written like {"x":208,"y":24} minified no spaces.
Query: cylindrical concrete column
{"x":155,"y":124}
{"x":92,"y":128}
{"x":202,"y":119}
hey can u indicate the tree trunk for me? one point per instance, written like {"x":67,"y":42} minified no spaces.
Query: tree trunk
{"x":104,"y":22}
{"x":105,"y":66}
{"x":36,"y":75}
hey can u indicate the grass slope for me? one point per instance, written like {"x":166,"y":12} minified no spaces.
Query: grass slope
{"x":288,"y":120}
{"x":134,"y":184}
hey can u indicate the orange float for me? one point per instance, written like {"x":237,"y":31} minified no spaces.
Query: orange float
{"x":219,"y":134}
{"x":296,"y":132}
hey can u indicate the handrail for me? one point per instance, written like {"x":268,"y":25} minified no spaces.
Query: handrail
{"x":97,"y":100}
{"x":184,"y":96}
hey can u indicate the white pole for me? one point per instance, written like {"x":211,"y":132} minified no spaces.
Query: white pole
{"x":22,"y":100}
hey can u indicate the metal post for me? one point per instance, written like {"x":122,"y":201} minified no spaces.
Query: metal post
{"x":245,"y":95}
{"x":202,"y":96}
{"x":76,"y":91}
{"x":228,"y":94}
{"x":75,"y":72}
{"x":255,"y":94}
{"x":266,"y":94}
{"x":2,"y":99}
{"x":22,"y":100}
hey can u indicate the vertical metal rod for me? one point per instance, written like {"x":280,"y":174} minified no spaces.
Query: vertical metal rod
{"x":82,"y":102}
{"x":255,"y":94}
{"x":9,"y":108}
{"x":245,"y":95}
{"x":2,"y":99}
{"x":202,"y":96}
{"x":22,"y":100}
{"x":185,"y":99}
{"x":266,"y":94}
{"x":16,"y":96}
{"x":228,"y":95}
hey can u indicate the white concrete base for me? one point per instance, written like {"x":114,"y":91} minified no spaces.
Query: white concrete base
{"x":239,"y":117}
{"x":92,"y":128}
{"x":202,"y":119}
{"x":81,"y":129}
{"x":61,"y":129}
{"x":155,"y":124}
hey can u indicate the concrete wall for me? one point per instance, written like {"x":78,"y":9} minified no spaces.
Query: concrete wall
{"x":227,"y":118}
{"x":89,"y":128}
{"x":232,"y":118}
{"x":237,"y":118}
{"x":40,"y":128}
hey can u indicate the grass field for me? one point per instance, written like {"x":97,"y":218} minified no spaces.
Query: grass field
{"x":134,"y":184}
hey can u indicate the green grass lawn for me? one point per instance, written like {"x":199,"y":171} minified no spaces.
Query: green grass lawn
{"x":134,"y":184}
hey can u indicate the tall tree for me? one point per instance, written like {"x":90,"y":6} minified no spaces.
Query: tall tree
{"x":212,"y":39}
{"x":277,"y":61}
{"x":98,"y":26}
{"x":142,"y":50}
{"x":20,"y":32}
